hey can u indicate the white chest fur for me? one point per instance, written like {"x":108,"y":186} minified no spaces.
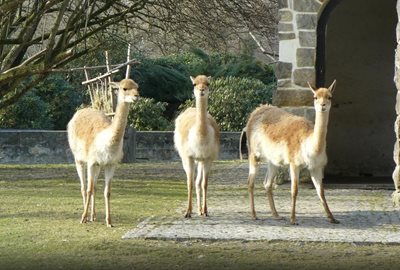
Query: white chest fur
{"x":104,"y":151}
{"x":201,"y":146}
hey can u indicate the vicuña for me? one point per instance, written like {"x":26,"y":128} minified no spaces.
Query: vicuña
{"x":97,"y":142}
{"x":196,"y":138}
{"x":280,"y":138}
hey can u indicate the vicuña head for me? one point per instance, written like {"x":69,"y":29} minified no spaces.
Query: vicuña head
{"x":96,"y":142}
{"x":280,"y":138}
{"x":322,"y":97}
{"x":127,"y":90}
{"x":200,"y":84}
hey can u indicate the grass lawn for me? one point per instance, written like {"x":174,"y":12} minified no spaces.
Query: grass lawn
{"x":40,"y":209}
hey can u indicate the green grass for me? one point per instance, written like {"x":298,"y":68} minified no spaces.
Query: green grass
{"x":40,"y":229}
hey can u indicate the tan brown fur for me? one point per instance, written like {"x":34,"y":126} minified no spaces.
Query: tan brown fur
{"x":281,"y":138}
{"x":281,"y":123}
{"x":189,"y":119}
{"x":89,"y":123}
{"x":196,"y":138}
{"x":96,"y":142}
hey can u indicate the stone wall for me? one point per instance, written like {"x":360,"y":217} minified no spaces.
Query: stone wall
{"x":297,"y":50}
{"x":51,"y":147}
{"x":359,"y":54}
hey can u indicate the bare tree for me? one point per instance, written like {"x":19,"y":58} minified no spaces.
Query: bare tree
{"x":37,"y":36}
{"x":216,"y":24}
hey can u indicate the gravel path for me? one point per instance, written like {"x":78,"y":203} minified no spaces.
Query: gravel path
{"x":365,"y":213}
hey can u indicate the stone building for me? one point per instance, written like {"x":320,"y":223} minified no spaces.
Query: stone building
{"x":354,"y":42}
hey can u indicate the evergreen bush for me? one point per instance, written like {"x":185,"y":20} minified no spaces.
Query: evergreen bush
{"x":232,"y":99}
{"x":147,"y":114}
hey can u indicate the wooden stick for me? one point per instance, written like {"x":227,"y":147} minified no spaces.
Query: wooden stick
{"x":101,"y":76}
{"x":133,"y":61}
{"x":128,"y":68}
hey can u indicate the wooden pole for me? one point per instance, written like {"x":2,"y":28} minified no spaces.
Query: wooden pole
{"x":128,"y":59}
{"x":88,"y":86}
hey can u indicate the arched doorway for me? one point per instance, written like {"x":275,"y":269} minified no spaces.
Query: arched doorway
{"x":358,"y":51}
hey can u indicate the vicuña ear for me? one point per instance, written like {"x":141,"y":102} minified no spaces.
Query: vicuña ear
{"x":312,"y":88}
{"x":332,"y":87}
{"x":192,"y":79}
{"x":114,"y":84}
{"x":209,"y":78}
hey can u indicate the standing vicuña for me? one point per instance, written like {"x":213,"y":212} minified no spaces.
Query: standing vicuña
{"x":196,"y":138}
{"x":96,"y":142}
{"x":281,"y":138}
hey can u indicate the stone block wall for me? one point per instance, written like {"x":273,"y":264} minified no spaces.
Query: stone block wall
{"x":51,"y":147}
{"x":159,"y":145}
{"x":34,"y":147}
{"x":297,"y":50}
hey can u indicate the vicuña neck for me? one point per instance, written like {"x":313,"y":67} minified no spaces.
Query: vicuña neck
{"x":320,"y":131}
{"x":119,"y":122}
{"x":201,"y":115}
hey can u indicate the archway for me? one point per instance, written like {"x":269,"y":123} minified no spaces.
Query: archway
{"x":358,"y":51}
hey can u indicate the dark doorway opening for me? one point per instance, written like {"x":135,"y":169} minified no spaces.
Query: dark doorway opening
{"x":356,"y":40}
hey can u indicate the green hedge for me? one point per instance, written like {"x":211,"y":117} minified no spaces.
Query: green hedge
{"x":232,"y":99}
{"x":147,"y":114}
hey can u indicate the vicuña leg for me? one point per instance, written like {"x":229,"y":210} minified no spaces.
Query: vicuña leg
{"x":80,"y":168}
{"x":93,"y":197}
{"x":199,"y":180}
{"x":268,"y":184}
{"x":253,"y":168}
{"x":317,"y":176}
{"x":93,"y":173}
{"x":188,"y":166}
{"x":294,"y":177}
{"x":204,"y":186}
{"x":109,"y":173}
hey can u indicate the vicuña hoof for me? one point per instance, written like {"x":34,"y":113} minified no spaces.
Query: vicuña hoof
{"x":334,"y":221}
{"x":277,"y":217}
{"x":84,"y":219}
{"x":293,"y":222}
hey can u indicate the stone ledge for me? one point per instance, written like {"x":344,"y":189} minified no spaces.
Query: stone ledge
{"x":303,"y":75}
{"x":292,"y":97}
{"x":283,"y":70}
{"x":305,"y":57}
{"x":306,"y":5}
{"x":304,"y":111}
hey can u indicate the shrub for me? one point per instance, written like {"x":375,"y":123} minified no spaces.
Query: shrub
{"x":166,"y":79}
{"x":50,"y":105}
{"x":29,"y":112}
{"x":232,"y":99}
{"x":62,"y":98}
{"x":162,"y":79}
{"x":147,"y":114}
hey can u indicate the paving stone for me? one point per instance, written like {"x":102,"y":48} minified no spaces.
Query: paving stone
{"x":365,"y":215}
